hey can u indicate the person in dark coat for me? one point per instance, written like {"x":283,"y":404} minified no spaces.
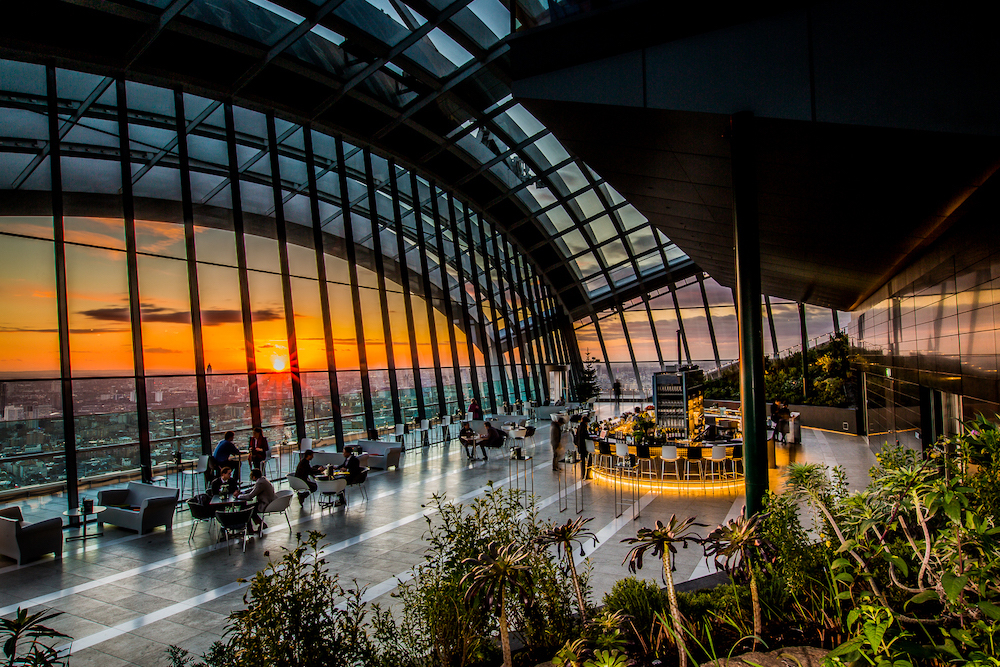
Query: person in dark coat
{"x":224,"y":451}
{"x":580,"y":440}
{"x":304,"y":471}
{"x":475,"y":410}
{"x":257,"y":448}
{"x":555,"y":436}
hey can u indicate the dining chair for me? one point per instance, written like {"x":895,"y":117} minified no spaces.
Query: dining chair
{"x":298,"y":485}
{"x":282,"y":499}
{"x":200,"y":513}
{"x":329,"y":489}
{"x":233,"y":523}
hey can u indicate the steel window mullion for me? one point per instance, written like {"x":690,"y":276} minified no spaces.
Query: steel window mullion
{"x":494,"y":308}
{"x":446,"y":288}
{"x":604,"y":350}
{"x":514,"y":321}
{"x":404,"y":279}
{"x":428,"y":297}
{"x":501,"y":292}
{"x":241,"y":263}
{"x":286,"y":281}
{"x":464,"y":302}
{"x":708,"y":318}
{"x":59,"y":240}
{"x":652,"y":328}
{"x":541,"y":352}
{"x":770,"y":324}
{"x":187,"y":208}
{"x":324,"y":290}
{"x":383,"y":298}
{"x":527,"y":342}
{"x":352,"y":261}
{"x":680,"y":325}
{"x":631,"y":350}
{"x":132,"y":263}
{"x":479,"y":304}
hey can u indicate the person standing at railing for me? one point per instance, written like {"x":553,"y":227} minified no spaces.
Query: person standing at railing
{"x":224,"y":452}
{"x":258,"y":448}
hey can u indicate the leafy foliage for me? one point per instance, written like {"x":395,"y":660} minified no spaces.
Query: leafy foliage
{"x":435,"y":625}
{"x":832,"y":380}
{"x":26,"y":640}
{"x":297,"y":613}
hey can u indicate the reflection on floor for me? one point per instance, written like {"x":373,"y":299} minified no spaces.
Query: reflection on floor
{"x":126,"y":597}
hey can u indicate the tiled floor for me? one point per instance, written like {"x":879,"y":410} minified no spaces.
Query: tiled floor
{"x":126,"y":597}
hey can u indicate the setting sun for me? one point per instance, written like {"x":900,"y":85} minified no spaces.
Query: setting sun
{"x":278,"y":362}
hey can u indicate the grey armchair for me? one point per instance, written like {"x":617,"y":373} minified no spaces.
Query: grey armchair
{"x":29,"y":541}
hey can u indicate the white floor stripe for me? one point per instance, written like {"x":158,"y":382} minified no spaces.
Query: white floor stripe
{"x":172,"y":560}
{"x":166,"y":612}
{"x":609,"y":530}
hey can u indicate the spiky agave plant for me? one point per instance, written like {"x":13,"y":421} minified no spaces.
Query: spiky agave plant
{"x":661,"y":541}
{"x":564,"y":536}
{"x":497,"y":572}
{"x":737,"y":547}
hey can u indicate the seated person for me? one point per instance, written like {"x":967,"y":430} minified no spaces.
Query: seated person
{"x":352,"y":464}
{"x":469,"y":439}
{"x":225,"y":484}
{"x":224,"y":451}
{"x":304,"y":471}
{"x":494,"y":439}
{"x":263,"y":492}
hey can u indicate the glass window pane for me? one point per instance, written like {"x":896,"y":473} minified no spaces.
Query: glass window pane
{"x":29,"y":329}
{"x":222,"y":319}
{"x":309,"y":334}
{"x":165,"y":307}
{"x":99,"y":316}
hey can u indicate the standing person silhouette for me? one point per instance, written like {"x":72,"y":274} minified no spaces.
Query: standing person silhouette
{"x":617,"y":388}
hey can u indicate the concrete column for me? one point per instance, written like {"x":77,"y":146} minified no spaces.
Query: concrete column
{"x":747,"y":242}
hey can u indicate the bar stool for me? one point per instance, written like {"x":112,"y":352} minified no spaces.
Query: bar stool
{"x":446,"y":429}
{"x":737,"y":457}
{"x":695,"y":456}
{"x":668,"y":454}
{"x":604,"y":455}
{"x":200,"y":469}
{"x":643,"y":458}
{"x":623,"y":458}
{"x":718,"y":460}
{"x":424,"y":431}
{"x":400,"y":434}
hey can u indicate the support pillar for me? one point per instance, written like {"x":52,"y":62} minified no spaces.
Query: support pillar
{"x":747,"y":241}
{"x":805,"y":350}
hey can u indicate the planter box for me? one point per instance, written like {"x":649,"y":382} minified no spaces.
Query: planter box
{"x":816,"y":416}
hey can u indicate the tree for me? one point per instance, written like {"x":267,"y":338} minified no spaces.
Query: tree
{"x":564,"y":536}
{"x":661,"y":541}
{"x":495,"y":573}
{"x":738,"y":547}
{"x":588,"y":387}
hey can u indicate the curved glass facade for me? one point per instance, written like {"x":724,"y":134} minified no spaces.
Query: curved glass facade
{"x":175,"y":267}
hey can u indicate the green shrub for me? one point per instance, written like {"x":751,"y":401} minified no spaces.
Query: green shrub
{"x":640,"y":600}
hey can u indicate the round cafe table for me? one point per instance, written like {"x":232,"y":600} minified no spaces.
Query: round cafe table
{"x":82,"y":515}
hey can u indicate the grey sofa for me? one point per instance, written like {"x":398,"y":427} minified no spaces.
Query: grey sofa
{"x":140,"y":507}
{"x":381,"y":454}
{"x":29,"y":541}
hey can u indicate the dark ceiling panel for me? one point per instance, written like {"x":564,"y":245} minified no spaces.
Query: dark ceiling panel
{"x":841,"y":207}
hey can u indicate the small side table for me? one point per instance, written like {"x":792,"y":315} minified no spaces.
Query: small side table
{"x":79,"y":513}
